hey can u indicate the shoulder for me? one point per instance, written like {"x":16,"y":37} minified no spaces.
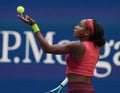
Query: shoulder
{"x":77,"y":50}
{"x":76,"y":46}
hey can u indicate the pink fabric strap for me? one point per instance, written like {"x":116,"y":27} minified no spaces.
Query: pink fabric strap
{"x":90,"y":26}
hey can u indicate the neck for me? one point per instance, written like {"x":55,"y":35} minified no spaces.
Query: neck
{"x":84,"y":39}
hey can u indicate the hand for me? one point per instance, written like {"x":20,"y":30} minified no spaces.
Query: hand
{"x":27,"y":20}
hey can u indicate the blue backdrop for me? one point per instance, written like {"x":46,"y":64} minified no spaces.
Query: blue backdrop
{"x":24,"y":68}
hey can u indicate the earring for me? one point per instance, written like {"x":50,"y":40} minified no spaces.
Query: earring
{"x":86,"y":34}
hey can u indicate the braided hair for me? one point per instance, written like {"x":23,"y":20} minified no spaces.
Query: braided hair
{"x":97,"y":37}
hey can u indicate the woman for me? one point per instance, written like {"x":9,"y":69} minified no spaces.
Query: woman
{"x":81,"y":57}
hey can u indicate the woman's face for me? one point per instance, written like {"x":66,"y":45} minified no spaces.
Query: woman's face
{"x":80,"y":29}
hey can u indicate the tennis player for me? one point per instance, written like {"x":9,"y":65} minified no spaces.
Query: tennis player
{"x":81,"y":56}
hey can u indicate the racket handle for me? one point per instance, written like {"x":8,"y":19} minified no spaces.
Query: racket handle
{"x":65,"y":81}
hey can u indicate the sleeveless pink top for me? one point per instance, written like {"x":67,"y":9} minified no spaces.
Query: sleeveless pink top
{"x":85,"y":65}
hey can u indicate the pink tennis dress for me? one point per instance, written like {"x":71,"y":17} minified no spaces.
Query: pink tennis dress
{"x":84,"y":66}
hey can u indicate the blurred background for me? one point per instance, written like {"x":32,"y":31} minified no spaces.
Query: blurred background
{"x":24,"y":68}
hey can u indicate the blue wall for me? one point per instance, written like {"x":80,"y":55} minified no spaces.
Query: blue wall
{"x":24,"y":68}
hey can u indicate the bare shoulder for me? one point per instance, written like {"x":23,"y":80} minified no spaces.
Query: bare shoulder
{"x":78,"y":50}
{"x":76,"y":46}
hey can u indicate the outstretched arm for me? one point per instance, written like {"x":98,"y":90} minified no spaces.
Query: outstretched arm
{"x":46,"y":47}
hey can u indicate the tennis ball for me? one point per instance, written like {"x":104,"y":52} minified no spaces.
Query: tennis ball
{"x":20,"y":9}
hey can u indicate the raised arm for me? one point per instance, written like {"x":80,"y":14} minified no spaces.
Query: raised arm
{"x":46,"y":47}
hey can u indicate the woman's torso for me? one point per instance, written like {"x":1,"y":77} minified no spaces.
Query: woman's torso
{"x":82,"y":70}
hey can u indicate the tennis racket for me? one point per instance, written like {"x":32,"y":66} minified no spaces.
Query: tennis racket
{"x":58,"y":88}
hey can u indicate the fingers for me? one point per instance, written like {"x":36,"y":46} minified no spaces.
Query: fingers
{"x":30,"y":19}
{"x":21,"y":17}
{"x":27,"y":19}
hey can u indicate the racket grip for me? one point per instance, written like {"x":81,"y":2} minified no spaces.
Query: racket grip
{"x":65,"y":81}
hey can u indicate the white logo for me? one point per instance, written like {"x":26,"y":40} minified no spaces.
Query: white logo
{"x":29,"y":46}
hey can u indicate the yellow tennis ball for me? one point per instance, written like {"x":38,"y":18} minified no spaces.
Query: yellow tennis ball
{"x":20,"y":9}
